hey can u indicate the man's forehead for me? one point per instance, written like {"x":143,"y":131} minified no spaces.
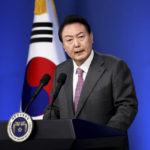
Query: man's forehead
{"x":75,"y":28}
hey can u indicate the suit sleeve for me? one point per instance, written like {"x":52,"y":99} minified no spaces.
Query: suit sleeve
{"x":124,"y":97}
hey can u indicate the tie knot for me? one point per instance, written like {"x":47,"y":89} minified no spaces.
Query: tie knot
{"x":79,"y":71}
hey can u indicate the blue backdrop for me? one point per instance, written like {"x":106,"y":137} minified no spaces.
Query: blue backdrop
{"x":120,"y":27}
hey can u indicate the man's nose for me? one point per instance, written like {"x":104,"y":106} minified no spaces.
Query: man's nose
{"x":76,"y":43}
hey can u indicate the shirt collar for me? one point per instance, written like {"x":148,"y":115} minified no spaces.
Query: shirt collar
{"x":85,"y":66}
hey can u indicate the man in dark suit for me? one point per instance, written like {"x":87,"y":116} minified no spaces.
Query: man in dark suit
{"x":104,"y":93}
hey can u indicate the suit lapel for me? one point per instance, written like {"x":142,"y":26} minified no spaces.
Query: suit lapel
{"x":95,"y":72}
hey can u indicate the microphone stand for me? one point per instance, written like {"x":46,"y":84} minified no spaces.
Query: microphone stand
{"x":33,"y":97}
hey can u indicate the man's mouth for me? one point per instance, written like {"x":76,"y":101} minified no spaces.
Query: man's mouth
{"x":80,"y":51}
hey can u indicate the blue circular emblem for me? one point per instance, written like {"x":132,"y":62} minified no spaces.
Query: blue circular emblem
{"x":20,"y":127}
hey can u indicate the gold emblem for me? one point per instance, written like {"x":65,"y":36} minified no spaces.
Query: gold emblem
{"x":19,"y":127}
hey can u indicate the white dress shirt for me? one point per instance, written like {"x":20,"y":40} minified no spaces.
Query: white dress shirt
{"x":85,"y":67}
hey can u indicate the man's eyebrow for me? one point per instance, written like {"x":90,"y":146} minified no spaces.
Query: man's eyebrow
{"x":71,"y":35}
{"x":80,"y":33}
{"x":67,"y":36}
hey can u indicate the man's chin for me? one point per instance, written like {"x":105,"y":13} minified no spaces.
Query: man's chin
{"x":80,"y":61}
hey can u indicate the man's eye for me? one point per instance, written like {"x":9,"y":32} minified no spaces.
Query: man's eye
{"x":81,"y":37}
{"x":69,"y":40}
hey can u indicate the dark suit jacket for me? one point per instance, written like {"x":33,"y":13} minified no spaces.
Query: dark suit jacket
{"x":108,"y":95}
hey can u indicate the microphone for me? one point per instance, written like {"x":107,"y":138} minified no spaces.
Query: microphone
{"x":61,"y":80}
{"x":43,"y":82}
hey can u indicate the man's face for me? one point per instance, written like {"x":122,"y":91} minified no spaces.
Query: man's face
{"x":77,"y":42}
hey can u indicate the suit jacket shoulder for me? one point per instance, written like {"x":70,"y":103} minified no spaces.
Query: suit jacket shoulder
{"x":63,"y":66}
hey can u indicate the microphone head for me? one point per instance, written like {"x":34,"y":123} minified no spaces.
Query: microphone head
{"x":62,"y":78}
{"x":45,"y":79}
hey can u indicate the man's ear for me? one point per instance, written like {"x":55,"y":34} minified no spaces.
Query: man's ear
{"x":91,"y":37}
{"x":63,"y":46}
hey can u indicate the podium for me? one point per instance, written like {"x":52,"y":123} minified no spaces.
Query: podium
{"x":67,"y":134}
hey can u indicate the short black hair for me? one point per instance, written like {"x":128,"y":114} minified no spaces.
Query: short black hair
{"x":73,"y":19}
